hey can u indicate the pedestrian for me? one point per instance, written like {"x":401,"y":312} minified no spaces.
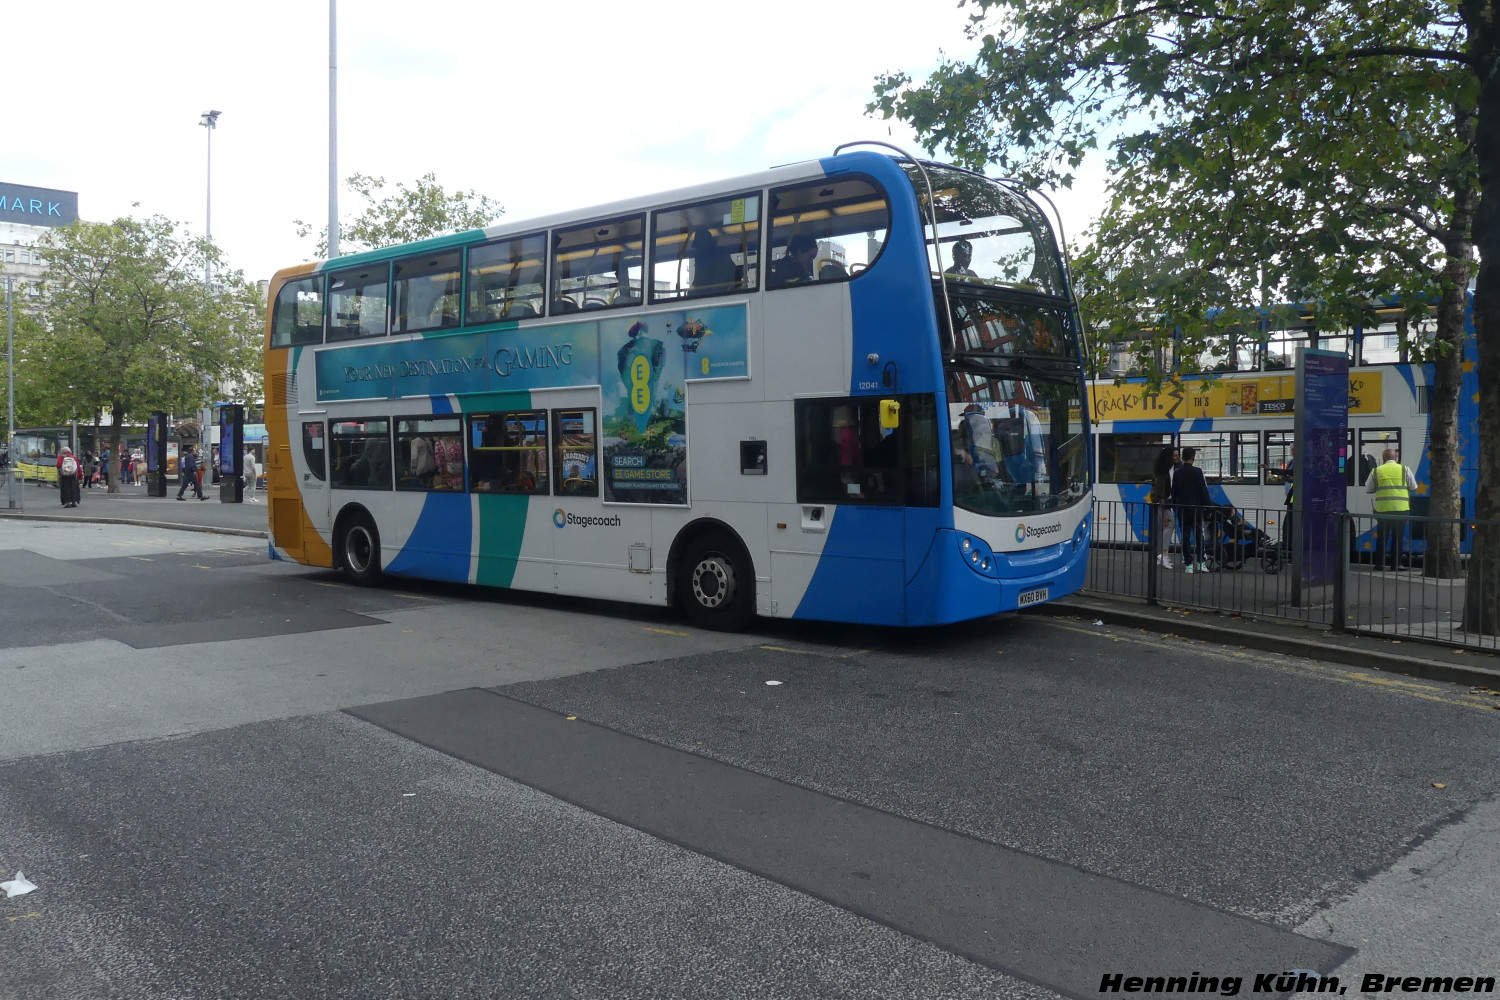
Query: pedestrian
{"x":104,"y":464}
{"x":1392,"y":483}
{"x":138,"y":467}
{"x":251,"y":475}
{"x":91,"y":470}
{"x":67,"y":476}
{"x":124,"y":467}
{"x":188,"y":473}
{"x":1160,"y":499}
{"x":1190,"y":496}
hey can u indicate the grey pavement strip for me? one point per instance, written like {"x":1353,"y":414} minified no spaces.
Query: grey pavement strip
{"x":184,"y":633}
{"x":25,"y":568}
{"x":1043,"y":921}
{"x":1436,"y":912}
{"x":140,"y":523}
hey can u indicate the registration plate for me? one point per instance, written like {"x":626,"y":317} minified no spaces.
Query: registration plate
{"x":1036,"y":596}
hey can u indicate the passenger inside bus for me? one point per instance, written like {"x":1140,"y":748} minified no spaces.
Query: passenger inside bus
{"x":448,"y":455}
{"x":963,"y":253}
{"x":714,"y":271}
{"x":796,"y":266}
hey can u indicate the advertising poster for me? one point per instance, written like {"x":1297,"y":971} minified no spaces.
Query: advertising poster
{"x":643,"y":375}
{"x":1319,"y":488}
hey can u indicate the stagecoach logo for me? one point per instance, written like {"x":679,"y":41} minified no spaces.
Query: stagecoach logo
{"x":562,"y":519}
{"x":1024,"y":532}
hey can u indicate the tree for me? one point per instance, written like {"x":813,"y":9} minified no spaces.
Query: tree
{"x":409,"y":214}
{"x":127,"y":326}
{"x":1261,"y":151}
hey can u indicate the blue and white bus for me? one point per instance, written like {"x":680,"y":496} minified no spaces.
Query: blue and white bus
{"x":848,"y":389}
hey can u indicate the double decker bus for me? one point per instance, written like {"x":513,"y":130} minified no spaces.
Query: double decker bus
{"x":848,"y":389}
{"x":1241,"y":422}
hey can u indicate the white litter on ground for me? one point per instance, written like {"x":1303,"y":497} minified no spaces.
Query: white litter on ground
{"x":772,"y":683}
{"x":19,"y":886}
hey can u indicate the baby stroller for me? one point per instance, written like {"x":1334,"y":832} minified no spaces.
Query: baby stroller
{"x":1234,"y":541}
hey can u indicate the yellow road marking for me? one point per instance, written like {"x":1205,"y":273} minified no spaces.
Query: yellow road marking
{"x":1339,"y":675}
{"x":320,"y":583}
{"x":662,"y":631}
{"x":24,"y":916}
{"x":414,"y":597}
{"x":142,"y":559}
{"x":816,"y":652}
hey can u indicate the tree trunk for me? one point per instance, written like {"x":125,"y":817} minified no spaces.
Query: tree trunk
{"x":116,"y":442}
{"x":1442,"y":557}
{"x":1482,"y":588}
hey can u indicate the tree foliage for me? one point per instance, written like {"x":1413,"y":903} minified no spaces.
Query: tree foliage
{"x":1260,"y":151}
{"x":405,"y":215}
{"x":126,"y":326}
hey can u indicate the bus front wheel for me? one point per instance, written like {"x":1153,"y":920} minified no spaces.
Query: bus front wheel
{"x":359,"y":550}
{"x":716,"y":585}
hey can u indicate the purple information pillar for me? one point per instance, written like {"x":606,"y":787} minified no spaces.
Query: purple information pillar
{"x":1318,"y":481}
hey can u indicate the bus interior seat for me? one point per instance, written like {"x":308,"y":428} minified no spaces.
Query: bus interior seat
{"x":831,"y":270}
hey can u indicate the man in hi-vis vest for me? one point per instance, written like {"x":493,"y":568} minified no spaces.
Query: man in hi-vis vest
{"x":1392,"y":483}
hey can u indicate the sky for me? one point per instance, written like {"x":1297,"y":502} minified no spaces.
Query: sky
{"x":542,"y":106}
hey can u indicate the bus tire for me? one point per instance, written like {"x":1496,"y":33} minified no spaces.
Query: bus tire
{"x":716,"y":585}
{"x":359,"y":550}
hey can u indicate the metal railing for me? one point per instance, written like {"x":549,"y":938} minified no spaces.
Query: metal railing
{"x":1444,"y":585}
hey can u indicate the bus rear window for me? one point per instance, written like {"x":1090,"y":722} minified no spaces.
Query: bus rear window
{"x":826,"y":231}
{"x":298,"y":315}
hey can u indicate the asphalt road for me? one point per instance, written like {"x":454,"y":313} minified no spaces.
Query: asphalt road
{"x":236,"y":778}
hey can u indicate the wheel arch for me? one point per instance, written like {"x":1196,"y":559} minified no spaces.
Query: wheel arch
{"x":690,"y":533}
{"x":347,"y":513}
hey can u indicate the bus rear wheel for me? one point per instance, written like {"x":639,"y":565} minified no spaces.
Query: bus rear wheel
{"x":715,"y":584}
{"x":359,"y":550}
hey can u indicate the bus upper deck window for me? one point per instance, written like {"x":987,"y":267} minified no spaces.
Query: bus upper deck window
{"x":598,"y":266}
{"x":298,"y":313}
{"x":357,"y":302}
{"x":829,"y":230}
{"x":711,"y":248}
{"x":506,"y":279}
{"x":427,"y":291}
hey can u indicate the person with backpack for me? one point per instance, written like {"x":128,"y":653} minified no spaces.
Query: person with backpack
{"x":67,"y":477}
{"x":188,"y":473}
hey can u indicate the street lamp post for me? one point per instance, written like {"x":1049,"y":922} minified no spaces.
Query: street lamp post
{"x":12,"y":500}
{"x":209,"y":121}
{"x":333,"y":130}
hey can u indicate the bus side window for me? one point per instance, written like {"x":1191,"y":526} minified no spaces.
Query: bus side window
{"x":844,"y":455}
{"x":711,"y":248}
{"x":427,"y":289}
{"x":506,"y":279}
{"x":575,"y":453}
{"x":831,"y":230}
{"x":313,"y":452}
{"x":598,"y":266}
